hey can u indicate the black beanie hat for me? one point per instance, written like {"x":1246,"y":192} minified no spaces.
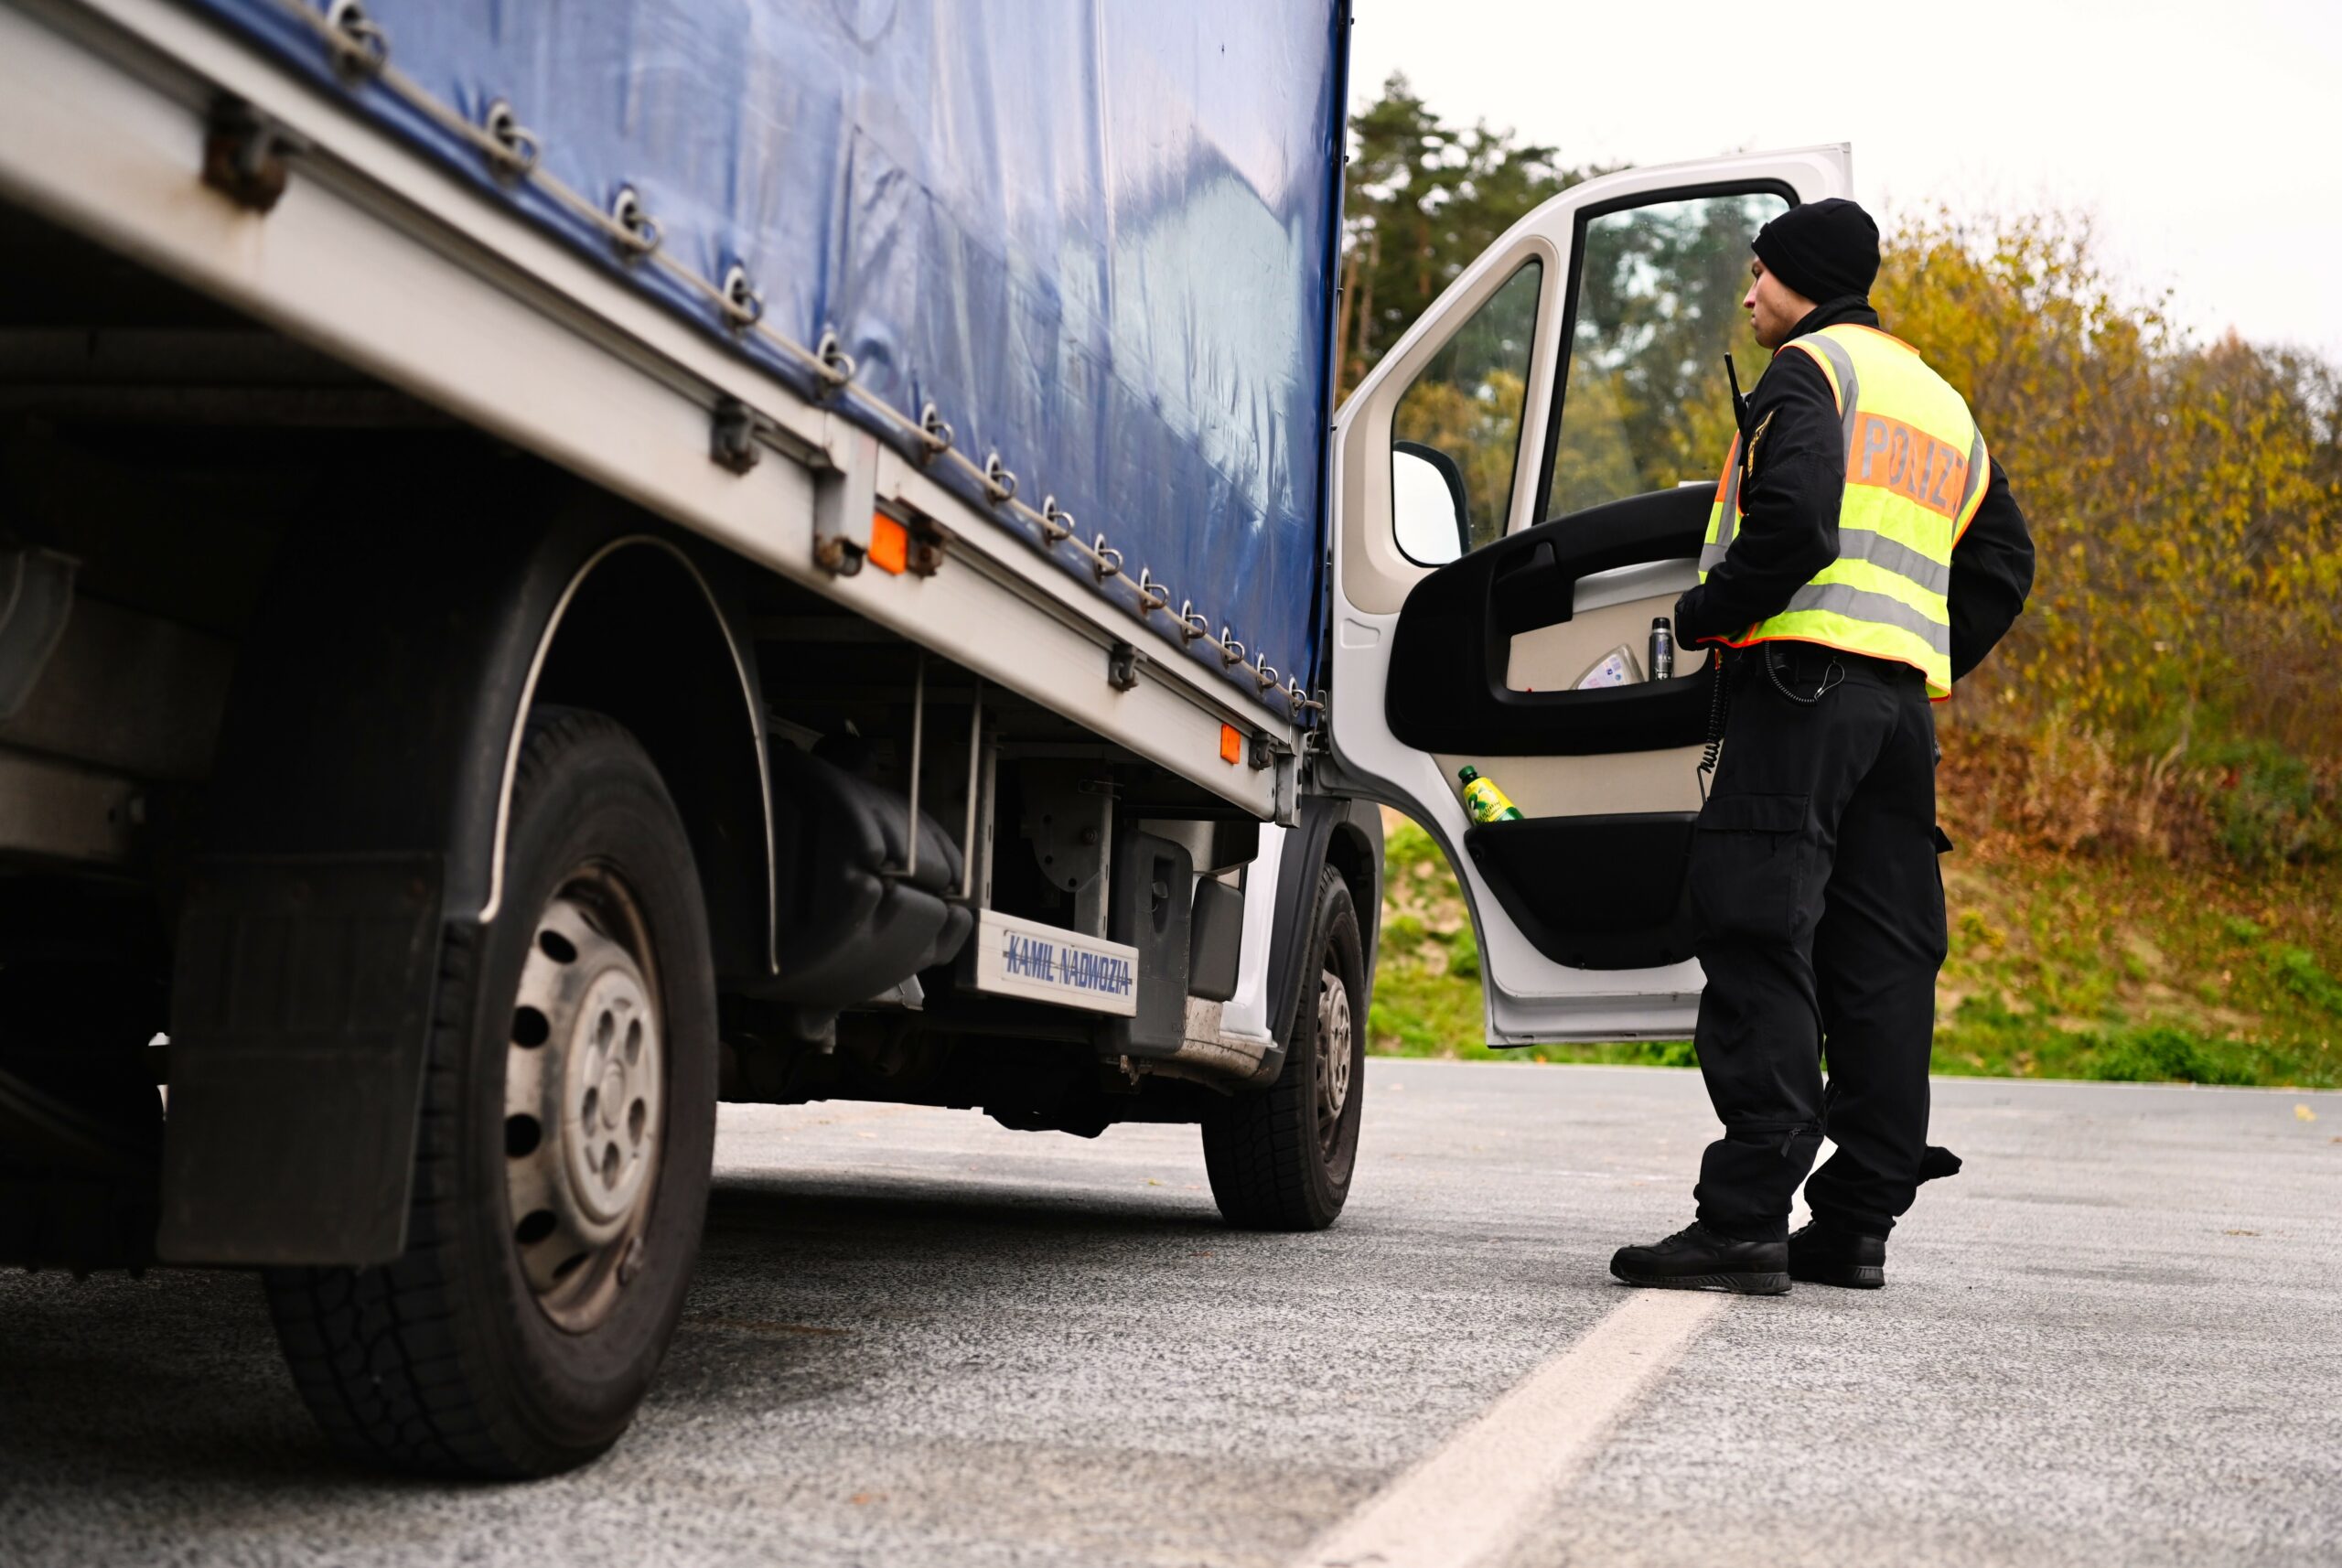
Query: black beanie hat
{"x":1824,"y":249}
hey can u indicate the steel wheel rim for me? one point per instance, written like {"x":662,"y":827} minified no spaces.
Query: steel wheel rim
{"x":1333,"y":1051}
{"x":585,"y":1098}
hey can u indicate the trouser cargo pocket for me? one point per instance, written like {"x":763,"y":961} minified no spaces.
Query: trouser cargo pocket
{"x":1750,"y":858}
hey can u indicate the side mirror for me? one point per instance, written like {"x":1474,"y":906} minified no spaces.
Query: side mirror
{"x":1428,"y":513}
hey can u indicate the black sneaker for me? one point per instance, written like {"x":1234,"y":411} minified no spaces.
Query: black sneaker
{"x":1697,"y":1258}
{"x":1829,"y":1256}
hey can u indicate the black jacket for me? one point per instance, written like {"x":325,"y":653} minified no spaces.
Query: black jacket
{"x":1789,"y":528}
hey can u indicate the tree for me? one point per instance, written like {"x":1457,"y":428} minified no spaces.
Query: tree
{"x":2185,"y":501}
{"x":1422,"y":198}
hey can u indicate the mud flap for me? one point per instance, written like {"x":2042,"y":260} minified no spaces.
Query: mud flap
{"x":301,"y":1014}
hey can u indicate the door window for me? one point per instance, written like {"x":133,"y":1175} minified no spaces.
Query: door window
{"x":1644,"y":405}
{"x":1465,"y":406}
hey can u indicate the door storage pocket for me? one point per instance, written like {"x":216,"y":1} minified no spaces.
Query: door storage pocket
{"x":1600,"y":892}
{"x":1750,"y":856}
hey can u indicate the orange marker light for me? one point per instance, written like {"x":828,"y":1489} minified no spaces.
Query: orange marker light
{"x":891,"y":544}
{"x":1231,"y":744}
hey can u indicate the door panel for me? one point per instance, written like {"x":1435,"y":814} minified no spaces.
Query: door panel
{"x":1615,"y":402}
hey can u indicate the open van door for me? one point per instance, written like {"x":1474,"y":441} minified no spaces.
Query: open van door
{"x":1573,"y":373}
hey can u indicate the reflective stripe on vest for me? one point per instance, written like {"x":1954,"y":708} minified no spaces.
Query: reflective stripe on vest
{"x":1915,"y":469}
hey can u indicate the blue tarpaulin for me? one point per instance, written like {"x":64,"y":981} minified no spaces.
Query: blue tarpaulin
{"x":1097,"y":235}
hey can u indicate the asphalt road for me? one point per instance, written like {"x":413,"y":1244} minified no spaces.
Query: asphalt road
{"x":918,"y":1338}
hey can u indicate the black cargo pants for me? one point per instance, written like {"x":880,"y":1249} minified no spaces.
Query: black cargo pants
{"x":1822,"y":928}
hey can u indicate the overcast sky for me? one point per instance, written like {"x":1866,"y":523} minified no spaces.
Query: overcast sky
{"x":2207,"y":138}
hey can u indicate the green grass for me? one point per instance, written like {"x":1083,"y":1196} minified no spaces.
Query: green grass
{"x":2060,"y":966}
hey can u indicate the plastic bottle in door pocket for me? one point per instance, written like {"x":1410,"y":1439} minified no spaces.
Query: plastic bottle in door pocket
{"x":1483,"y":800}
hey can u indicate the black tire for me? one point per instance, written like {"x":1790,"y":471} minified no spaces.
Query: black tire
{"x":1281,"y":1159}
{"x":450,"y":1360}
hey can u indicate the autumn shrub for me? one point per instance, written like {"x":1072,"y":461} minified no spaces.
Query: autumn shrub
{"x":2172,"y":687}
{"x":2271,"y":806}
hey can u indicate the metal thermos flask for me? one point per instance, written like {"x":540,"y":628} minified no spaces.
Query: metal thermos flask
{"x":1662,"y":649}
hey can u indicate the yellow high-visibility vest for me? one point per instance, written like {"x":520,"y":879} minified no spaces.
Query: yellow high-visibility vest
{"x":1916,"y":472}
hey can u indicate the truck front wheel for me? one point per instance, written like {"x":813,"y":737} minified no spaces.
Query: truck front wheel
{"x":562,"y":1168}
{"x":1281,"y":1159}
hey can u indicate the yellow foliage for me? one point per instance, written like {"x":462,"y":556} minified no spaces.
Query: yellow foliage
{"x":2186,"y":501}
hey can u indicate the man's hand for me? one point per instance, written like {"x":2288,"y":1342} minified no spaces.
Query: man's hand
{"x":1693,"y":621}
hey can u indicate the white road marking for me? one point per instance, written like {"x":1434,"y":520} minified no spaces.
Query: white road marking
{"x":1493,"y":1479}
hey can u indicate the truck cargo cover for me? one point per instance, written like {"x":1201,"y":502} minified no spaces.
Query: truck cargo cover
{"x":1098,"y":236}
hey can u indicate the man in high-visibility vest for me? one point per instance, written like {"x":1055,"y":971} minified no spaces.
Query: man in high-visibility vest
{"x":1864,"y":553}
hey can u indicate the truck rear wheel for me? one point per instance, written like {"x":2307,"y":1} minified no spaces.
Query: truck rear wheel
{"x":562,"y":1168}
{"x":1281,"y":1159}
